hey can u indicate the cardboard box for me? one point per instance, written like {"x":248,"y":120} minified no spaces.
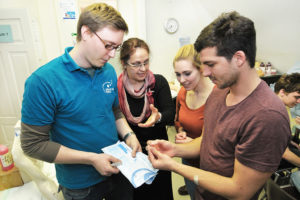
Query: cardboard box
{"x":10,"y":178}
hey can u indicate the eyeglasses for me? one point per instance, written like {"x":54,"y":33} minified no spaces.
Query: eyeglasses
{"x":109,"y":47}
{"x":136,"y":65}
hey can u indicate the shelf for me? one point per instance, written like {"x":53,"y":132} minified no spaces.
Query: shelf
{"x":269,"y":79}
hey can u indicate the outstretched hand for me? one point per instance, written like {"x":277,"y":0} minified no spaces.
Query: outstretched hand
{"x":163,"y":146}
{"x":160,"y":160}
{"x":154,"y":117}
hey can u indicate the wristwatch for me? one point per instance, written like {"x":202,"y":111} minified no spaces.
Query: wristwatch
{"x":127,"y":135}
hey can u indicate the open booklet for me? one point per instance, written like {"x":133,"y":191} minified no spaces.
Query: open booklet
{"x":137,"y":170}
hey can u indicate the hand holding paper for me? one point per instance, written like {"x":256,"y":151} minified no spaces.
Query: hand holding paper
{"x":137,"y":170}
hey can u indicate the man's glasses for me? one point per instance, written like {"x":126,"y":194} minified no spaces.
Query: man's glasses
{"x":109,"y":47}
{"x":138,"y":65}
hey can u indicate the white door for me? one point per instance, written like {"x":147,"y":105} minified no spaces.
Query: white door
{"x":17,"y":61}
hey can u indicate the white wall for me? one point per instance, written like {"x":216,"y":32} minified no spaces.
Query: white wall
{"x":277,"y":25}
{"x":52,"y":34}
{"x":44,"y":25}
{"x":192,"y":17}
{"x":134,"y":13}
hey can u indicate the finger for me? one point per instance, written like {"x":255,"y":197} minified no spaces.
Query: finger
{"x":113,"y":159}
{"x":151,"y":142}
{"x":182,"y":134}
{"x":139,"y":149}
{"x":180,"y":141}
{"x":141,"y":124}
{"x":107,"y":174}
{"x":146,"y":124}
{"x":116,"y":170}
{"x":112,"y":170}
{"x":155,"y":143}
{"x":133,"y":153}
{"x":151,"y":156}
{"x":153,"y":109}
{"x":155,"y":153}
{"x":180,"y":137}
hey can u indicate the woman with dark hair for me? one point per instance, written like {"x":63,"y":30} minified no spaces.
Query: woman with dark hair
{"x":145,"y":100}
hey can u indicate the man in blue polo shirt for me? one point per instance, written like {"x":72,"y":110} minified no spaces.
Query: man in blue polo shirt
{"x":70,"y":110}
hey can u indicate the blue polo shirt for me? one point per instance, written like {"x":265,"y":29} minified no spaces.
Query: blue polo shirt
{"x":79,"y":109}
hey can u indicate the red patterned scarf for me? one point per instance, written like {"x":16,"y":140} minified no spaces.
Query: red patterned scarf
{"x":123,"y":83}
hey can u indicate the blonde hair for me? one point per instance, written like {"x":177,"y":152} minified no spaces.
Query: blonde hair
{"x":100,"y":15}
{"x":188,"y":52}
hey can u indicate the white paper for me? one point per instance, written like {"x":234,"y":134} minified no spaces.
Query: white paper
{"x":137,"y":170}
{"x":68,"y":9}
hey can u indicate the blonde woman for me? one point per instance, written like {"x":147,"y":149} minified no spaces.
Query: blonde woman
{"x":190,"y":101}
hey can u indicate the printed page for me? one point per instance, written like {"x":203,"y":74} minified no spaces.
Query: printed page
{"x":137,"y":170}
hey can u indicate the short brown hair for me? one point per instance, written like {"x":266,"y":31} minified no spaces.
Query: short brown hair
{"x":229,"y":33}
{"x":99,"y":15}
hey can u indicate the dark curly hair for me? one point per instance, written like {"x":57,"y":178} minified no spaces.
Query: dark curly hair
{"x":289,"y":82}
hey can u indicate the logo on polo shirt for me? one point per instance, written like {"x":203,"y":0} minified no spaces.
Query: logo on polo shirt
{"x":108,"y":87}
